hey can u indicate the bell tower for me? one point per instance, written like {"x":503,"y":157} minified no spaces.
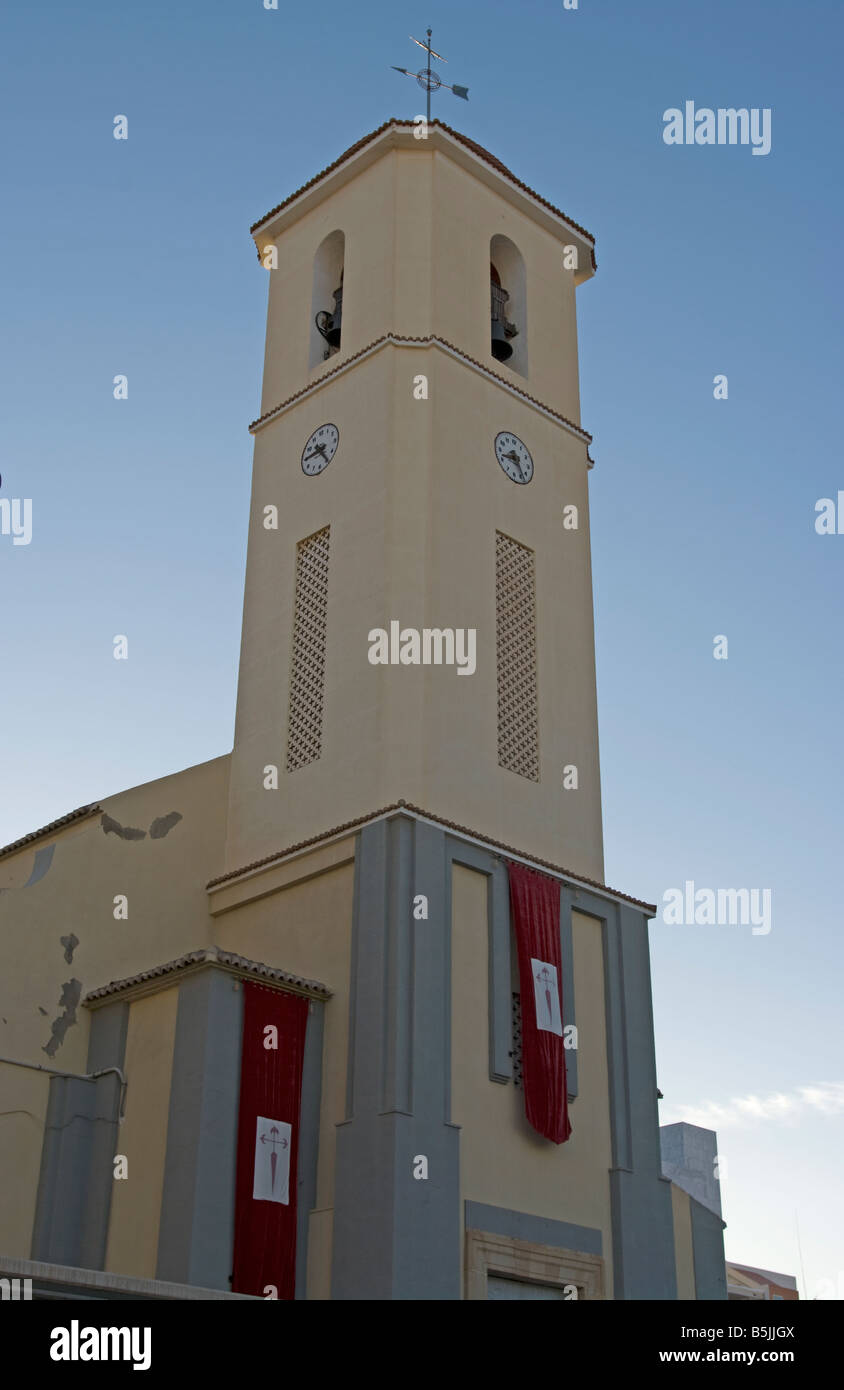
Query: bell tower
{"x":418,"y":620}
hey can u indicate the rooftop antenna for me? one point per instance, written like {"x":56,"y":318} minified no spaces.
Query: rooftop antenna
{"x":429,"y":80}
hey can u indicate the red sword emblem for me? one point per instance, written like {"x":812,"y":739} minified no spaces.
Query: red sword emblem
{"x":275,"y":1144}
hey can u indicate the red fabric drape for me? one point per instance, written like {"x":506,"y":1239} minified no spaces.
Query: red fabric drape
{"x":535,"y":909}
{"x":270,"y":1088}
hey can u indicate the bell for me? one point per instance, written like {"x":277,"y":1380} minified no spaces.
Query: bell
{"x":502,"y":329}
{"x":329,"y":324}
{"x":501,"y":349}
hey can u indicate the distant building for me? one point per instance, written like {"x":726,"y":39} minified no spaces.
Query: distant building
{"x":745,"y":1282}
{"x":690,"y":1160}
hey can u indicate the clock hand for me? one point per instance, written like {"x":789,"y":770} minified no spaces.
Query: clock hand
{"x":515,"y":458}
{"x":318,"y":449}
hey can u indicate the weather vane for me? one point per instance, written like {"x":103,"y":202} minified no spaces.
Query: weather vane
{"x":429,"y":80}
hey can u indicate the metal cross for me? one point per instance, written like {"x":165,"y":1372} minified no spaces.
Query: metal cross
{"x":429,"y":80}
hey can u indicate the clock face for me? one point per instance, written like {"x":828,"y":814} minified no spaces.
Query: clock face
{"x":320,"y":449}
{"x":514,"y":457}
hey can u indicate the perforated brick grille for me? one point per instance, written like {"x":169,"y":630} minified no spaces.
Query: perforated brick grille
{"x":307,"y":667}
{"x":515,"y":630}
{"x":517,"y":1053}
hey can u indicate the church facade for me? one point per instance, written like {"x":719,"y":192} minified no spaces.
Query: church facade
{"x":266,"y":1030}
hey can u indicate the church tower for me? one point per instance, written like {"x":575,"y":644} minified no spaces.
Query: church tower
{"x":376,"y":1029}
{"x":420,"y":442}
{"x":417,"y":681}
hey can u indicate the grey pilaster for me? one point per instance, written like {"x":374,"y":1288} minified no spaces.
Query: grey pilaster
{"x":708,"y":1252}
{"x":197,"y":1207}
{"x":80,"y":1141}
{"x":396,"y":1236}
{"x":498,"y":925}
{"x":640,"y":1198}
{"x":569,"y":1006}
{"x":308,"y":1140}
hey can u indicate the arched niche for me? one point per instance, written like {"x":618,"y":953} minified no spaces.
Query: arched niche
{"x":508,"y":304}
{"x":328,"y":278}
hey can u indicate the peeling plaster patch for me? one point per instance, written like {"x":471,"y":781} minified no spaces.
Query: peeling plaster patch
{"x":163,"y":824}
{"x":71,"y":994}
{"x":126,"y":832}
{"x":41,"y":867}
{"x":70,"y":943}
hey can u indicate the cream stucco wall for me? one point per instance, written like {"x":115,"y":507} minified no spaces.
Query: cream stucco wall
{"x":23,"y":1101}
{"x":413,"y":498}
{"x":683,"y":1243}
{"x":164,"y":880}
{"x":298,"y":917}
{"x":142,"y":1137}
{"x":502,"y":1161}
{"x":417,"y":223}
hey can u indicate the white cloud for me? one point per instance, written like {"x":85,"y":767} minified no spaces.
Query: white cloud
{"x":741,"y":1111}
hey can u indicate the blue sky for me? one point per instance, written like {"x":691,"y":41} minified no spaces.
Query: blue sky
{"x":134,"y":257}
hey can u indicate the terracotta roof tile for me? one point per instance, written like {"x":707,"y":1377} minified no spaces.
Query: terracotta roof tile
{"x":54,"y":825}
{"x":402,"y":339}
{"x":448,"y":825}
{"x":472,"y":145}
{"x":211,"y":955}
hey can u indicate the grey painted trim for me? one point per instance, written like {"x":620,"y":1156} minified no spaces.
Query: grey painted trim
{"x":640,"y":1198}
{"x":540,"y":1230}
{"x":65,"y":1162}
{"x":196,"y":1237}
{"x":500,"y":960}
{"x":396,"y":1237}
{"x":591,"y":904}
{"x":107,"y":1039}
{"x":80,"y":1137}
{"x":567,"y":964}
{"x":500,"y":991}
{"x":616,"y":1021}
{"x":461,"y":833}
{"x":708,"y":1252}
{"x":498,"y":925}
{"x":308,"y":1140}
{"x":106,"y":1048}
{"x":397,"y":1081}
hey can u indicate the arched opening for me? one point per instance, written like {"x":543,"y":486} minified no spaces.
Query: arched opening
{"x":508,"y":304}
{"x":327,"y":299}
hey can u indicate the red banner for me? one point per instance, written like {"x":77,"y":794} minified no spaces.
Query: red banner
{"x":267,"y":1141}
{"x":535,"y":910}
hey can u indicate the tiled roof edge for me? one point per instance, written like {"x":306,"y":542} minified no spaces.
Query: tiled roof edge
{"x":211,"y":955}
{"x":400,"y":339}
{"x":576,"y":878}
{"x":472,"y":145}
{"x":54,"y":826}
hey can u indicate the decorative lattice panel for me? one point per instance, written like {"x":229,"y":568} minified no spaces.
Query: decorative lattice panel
{"x":515,"y":630}
{"x":517,"y":1053}
{"x":307,"y":667}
